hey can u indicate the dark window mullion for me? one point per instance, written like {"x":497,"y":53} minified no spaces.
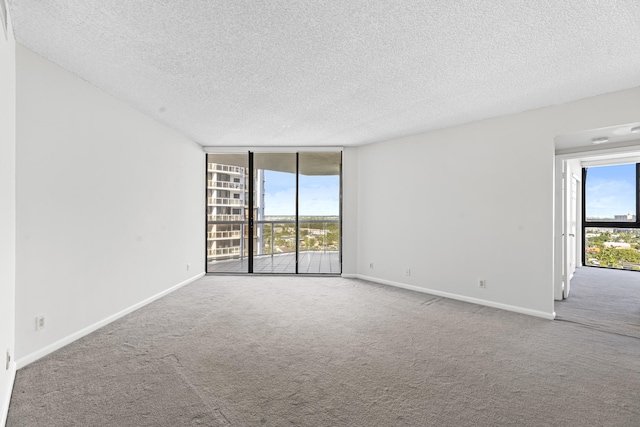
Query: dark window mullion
{"x":297,"y":211}
{"x":340,"y":216}
{"x":250,"y":216}
{"x":637,"y":196}
{"x":584,"y":214}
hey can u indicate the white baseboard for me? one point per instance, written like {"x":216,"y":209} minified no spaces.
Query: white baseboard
{"x":7,"y":395}
{"x":24,"y":361}
{"x":516,"y":309}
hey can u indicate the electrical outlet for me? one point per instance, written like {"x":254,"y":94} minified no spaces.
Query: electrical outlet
{"x":8,"y":359}
{"x":371,"y":264}
{"x":40,"y":323}
{"x":188,"y":266}
{"x":407,"y":272}
{"x":482,"y":284}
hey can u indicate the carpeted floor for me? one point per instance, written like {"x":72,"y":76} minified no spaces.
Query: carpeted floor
{"x":294,"y":351}
{"x":603,"y":299}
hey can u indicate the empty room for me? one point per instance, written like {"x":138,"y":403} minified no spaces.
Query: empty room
{"x":364,"y":213}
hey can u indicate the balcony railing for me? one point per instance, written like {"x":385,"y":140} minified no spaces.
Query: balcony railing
{"x":277,"y":237}
{"x":212,"y":167}
{"x":224,"y":218}
{"x":223,"y":251}
{"x":224,"y":201}
{"x":224,"y":184}
{"x":224,"y":234}
{"x":280,"y":236}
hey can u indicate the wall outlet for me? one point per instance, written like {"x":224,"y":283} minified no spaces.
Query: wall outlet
{"x":371,"y":264}
{"x":8,"y":360}
{"x":188,"y":266}
{"x":482,"y":283}
{"x":40,"y":323}
{"x":407,"y":272}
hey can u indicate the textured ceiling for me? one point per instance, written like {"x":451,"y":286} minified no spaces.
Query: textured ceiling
{"x":249,"y":72}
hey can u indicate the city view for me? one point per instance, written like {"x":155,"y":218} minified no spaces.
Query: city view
{"x":614,"y":248}
{"x":611,"y":190}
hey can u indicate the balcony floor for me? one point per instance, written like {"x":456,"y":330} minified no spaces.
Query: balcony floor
{"x":311,"y":262}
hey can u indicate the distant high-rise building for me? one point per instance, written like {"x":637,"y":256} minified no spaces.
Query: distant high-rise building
{"x":227,"y":193}
{"x":627,"y":217}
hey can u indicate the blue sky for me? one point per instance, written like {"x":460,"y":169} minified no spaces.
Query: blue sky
{"x":319,"y":195}
{"x":610,"y":191}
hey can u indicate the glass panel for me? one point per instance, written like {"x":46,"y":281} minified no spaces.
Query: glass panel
{"x":275,"y":238}
{"x":611,"y":193}
{"x":227,"y":222}
{"x":319,"y":210}
{"x":612,"y":247}
{"x":274,"y":213}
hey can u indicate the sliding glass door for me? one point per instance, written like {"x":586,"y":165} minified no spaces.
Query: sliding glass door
{"x":285,"y":213}
{"x":275,"y":219}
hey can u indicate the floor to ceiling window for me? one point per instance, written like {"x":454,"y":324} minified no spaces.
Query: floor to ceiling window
{"x":610,"y":216}
{"x":274,"y":213}
{"x":227,"y":220}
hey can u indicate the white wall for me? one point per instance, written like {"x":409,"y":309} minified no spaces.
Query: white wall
{"x":473,"y":202}
{"x":109,"y":207}
{"x":7,"y":215}
{"x":349,"y":212}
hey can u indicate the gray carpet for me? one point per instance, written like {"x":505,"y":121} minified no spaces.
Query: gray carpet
{"x":292,"y":351}
{"x":604,"y":299}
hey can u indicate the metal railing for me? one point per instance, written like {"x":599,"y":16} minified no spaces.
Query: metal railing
{"x":321,"y":238}
{"x":225,"y":184}
{"x":235,"y":234}
{"x":225,"y":201}
{"x":229,"y":219}
{"x":273,"y":237}
{"x":213,"y":167}
{"x":223,"y":251}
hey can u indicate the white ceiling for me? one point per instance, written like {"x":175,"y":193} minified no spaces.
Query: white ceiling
{"x":284,"y":73}
{"x":620,"y":135}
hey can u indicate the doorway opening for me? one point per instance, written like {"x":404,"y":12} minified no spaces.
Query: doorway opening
{"x":594,"y":282}
{"x":274,"y":213}
{"x":606,"y":211}
{"x":599,"y":295}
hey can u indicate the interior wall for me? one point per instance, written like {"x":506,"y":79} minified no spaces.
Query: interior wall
{"x":109,"y":207}
{"x":473,"y":202}
{"x":7,"y":216}
{"x":349,"y":212}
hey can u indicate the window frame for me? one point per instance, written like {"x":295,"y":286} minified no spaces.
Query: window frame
{"x":249,"y":225}
{"x":606,"y":224}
